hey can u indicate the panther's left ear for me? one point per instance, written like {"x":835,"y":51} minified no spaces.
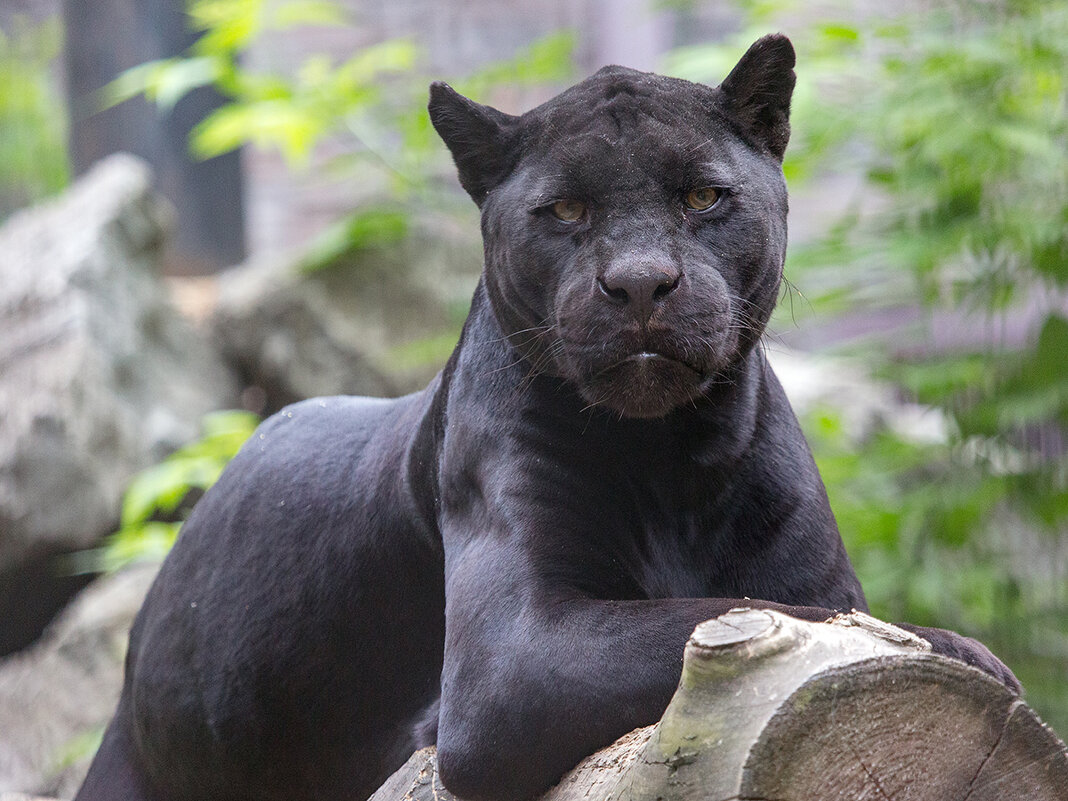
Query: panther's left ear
{"x":480,"y":138}
{"x":758,"y":90}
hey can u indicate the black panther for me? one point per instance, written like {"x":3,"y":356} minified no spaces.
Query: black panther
{"x":509,"y":562}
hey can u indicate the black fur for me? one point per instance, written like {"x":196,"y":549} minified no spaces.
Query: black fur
{"x":509,"y":562}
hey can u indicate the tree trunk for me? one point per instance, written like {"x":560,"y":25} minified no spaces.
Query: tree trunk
{"x":770,"y":708}
{"x":209,"y":233}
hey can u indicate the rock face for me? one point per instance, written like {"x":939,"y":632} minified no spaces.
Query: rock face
{"x":377,"y":322}
{"x":282,"y":335}
{"x":57,"y":696}
{"x":99,"y":376}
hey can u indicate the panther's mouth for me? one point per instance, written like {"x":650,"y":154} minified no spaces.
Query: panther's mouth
{"x":644,"y":384}
{"x":647,"y":360}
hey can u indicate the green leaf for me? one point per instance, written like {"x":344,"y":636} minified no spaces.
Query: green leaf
{"x":393,"y":56}
{"x":363,"y":230}
{"x":306,"y":12}
{"x":1050,"y":363}
{"x":232,"y":424}
{"x":376,"y":227}
{"x":837,"y":30}
{"x":33,"y":157}
{"x":175,"y":79}
{"x":149,"y":490}
{"x":147,"y":542}
{"x":228,"y":25}
{"x":165,"y":81}
{"x":267,"y":123}
{"x":139,"y":80}
{"x":160,"y":489}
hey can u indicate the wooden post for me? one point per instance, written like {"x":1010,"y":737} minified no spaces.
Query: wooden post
{"x":770,"y":707}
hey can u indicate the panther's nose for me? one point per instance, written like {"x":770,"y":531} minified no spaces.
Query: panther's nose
{"x":639,"y":287}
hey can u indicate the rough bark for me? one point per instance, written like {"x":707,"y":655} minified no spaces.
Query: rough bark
{"x":770,"y":708}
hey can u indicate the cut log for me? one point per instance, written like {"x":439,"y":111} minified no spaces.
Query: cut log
{"x":770,"y":708}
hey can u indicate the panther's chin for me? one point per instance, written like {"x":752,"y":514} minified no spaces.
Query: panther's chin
{"x":644,"y":385}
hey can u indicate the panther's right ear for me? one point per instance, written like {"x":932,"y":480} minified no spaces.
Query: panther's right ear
{"x":480,"y":138}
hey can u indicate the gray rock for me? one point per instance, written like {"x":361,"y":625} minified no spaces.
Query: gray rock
{"x":58,"y":695}
{"x":380,"y":322}
{"x":99,"y":375}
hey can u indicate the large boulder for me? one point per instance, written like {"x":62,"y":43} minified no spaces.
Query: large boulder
{"x":375,"y":321}
{"x":99,"y":375}
{"x":57,"y":696}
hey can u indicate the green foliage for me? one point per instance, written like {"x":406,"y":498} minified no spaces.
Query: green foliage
{"x":154,"y":498}
{"x":422,"y":352}
{"x":360,"y":231}
{"x":289,"y":112}
{"x":373,"y":105}
{"x":33,"y":156}
{"x":957,"y":119}
{"x":546,"y":60}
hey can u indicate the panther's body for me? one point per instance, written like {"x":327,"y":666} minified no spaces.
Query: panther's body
{"x":509,"y":562}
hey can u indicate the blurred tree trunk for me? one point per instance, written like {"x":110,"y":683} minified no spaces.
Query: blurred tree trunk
{"x":105,"y":37}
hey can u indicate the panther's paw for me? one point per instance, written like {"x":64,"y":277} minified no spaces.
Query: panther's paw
{"x":972,"y":652}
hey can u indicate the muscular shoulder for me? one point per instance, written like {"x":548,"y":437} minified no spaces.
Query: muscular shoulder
{"x":320,"y":424}
{"x":309,"y":450}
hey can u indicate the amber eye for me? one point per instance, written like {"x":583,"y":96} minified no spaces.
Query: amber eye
{"x":568,"y":210}
{"x":701,"y":199}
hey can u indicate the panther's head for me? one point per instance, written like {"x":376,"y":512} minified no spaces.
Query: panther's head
{"x":634,"y":225}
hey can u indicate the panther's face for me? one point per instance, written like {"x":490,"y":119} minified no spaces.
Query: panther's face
{"x":634,"y":226}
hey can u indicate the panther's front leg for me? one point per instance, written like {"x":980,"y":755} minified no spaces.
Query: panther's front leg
{"x":537,"y":676}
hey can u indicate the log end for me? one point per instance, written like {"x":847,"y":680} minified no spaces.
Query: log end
{"x":905,"y":727}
